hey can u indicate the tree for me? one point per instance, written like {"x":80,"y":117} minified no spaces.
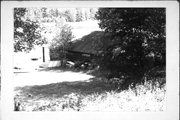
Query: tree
{"x":26,"y":31}
{"x":92,"y":13}
{"x":60,"y":42}
{"x":62,"y":37}
{"x":70,"y":15}
{"x":79,"y":15}
{"x":139,"y":36}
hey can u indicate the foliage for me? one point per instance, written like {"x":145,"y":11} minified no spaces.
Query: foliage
{"x":79,"y":15}
{"x":138,"y":35}
{"x":26,"y":32}
{"x":70,"y":15}
{"x":62,"y":37}
{"x":29,"y":23}
{"x":61,"y":42}
{"x":85,"y":14}
{"x":144,"y":97}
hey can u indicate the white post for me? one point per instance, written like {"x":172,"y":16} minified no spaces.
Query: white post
{"x":45,"y":54}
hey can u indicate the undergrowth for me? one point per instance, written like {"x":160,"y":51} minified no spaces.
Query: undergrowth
{"x":143,"y":97}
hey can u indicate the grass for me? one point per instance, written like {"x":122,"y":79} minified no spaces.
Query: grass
{"x":91,"y":96}
{"x":94,"y":94}
{"x":128,"y":100}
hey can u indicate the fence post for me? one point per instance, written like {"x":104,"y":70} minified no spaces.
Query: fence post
{"x":46,"y":55}
{"x":43,"y":54}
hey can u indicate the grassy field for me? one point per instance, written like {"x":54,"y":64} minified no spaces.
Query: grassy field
{"x":92,"y":95}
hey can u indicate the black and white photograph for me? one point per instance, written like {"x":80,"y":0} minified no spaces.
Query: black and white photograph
{"x":89,"y":59}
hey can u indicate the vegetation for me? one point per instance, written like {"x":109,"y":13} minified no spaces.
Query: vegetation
{"x":26,"y":33}
{"x":139,"y":39}
{"x":67,"y":14}
{"x":60,"y":43}
{"x":130,"y":67}
{"x":127,"y":51}
{"x":92,"y":97}
{"x":30,"y":28}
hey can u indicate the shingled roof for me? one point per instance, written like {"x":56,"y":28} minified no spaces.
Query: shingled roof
{"x":91,"y":43}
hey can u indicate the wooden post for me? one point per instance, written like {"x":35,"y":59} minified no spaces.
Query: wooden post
{"x":43,"y":54}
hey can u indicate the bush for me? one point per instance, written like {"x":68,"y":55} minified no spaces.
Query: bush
{"x":136,"y":48}
{"x":60,"y":43}
{"x":143,"y":97}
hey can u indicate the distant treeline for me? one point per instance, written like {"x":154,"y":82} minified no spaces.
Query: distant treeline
{"x":30,"y":26}
{"x":68,"y":14}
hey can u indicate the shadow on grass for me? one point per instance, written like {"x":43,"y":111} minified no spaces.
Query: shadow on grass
{"x":61,"y":69}
{"x":56,"y":90}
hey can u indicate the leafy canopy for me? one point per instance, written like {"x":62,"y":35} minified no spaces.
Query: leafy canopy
{"x":26,"y":31}
{"x":118,"y":20}
{"x":138,"y":35}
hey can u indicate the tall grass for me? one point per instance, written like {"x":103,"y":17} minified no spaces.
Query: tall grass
{"x":143,"y":97}
{"x":140,"y":98}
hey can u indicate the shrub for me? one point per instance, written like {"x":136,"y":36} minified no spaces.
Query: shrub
{"x":60,"y":43}
{"x":143,"y":97}
{"x":136,"y":48}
